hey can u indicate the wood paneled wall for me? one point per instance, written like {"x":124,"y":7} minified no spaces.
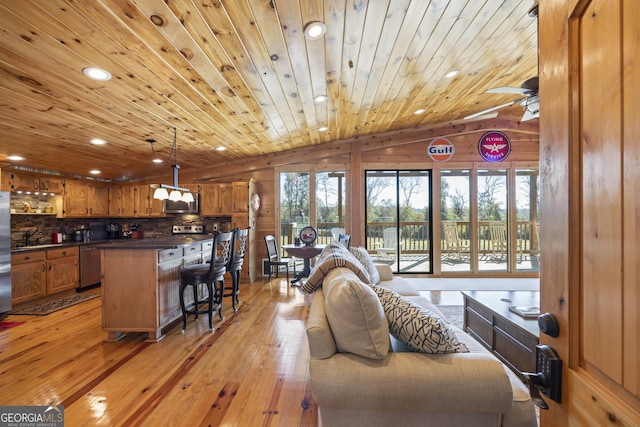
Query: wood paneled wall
{"x":402,"y":150}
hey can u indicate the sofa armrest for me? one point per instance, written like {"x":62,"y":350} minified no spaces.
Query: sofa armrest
{"x":384,"y":271}
{"x":319,"y":335}
{"x":460,"y":382}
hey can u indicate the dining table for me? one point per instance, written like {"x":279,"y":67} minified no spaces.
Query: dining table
{"x":306,"y":253}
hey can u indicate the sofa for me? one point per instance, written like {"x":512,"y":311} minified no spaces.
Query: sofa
{"x":398,"y":386}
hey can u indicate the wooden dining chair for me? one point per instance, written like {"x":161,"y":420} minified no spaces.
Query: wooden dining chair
{"x":274,"y":259}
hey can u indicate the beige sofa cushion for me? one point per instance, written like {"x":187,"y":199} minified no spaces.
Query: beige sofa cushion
{"x":333,"y":256}
{"x":355,"y":315}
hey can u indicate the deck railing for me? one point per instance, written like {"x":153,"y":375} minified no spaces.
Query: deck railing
{"x":415,"y":235}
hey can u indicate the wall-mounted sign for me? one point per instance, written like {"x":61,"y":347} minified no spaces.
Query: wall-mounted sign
{"x":494,"y":146}
{"x":440,"y":150}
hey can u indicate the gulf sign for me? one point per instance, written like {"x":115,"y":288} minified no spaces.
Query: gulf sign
{"x":494,"y":146}
{"x":440,"y":150}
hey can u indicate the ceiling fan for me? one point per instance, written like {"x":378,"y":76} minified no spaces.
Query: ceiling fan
{"x":530,"y":102}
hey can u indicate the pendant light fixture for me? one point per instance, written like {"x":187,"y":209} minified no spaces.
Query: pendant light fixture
{"x":177,"y":193}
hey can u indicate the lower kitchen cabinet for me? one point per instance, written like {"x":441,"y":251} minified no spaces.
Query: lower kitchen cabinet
{"x":36,"y":274}
{"x":28,"y":276}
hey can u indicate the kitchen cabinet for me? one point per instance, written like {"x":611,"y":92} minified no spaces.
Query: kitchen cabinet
{"x":122,"y":199}
{"x":29,"y":182}
{"x":38,"y":273}
{"x":62,"y":269}
{"x":216,"y":199}
{"x":240,"y":197}
{"x":145,"y":204}
{"x":85,"y":199}
{"x":28,"y":276}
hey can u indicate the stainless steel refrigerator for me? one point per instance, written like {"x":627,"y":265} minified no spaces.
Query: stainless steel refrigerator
{"x":5,"y":254}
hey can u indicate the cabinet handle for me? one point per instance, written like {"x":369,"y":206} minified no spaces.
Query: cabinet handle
{"x":44,"y":268}
{"x":50,"y":267}
{"x":27,"y":257}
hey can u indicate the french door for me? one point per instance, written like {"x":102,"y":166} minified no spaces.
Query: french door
{"x":398,"y":219}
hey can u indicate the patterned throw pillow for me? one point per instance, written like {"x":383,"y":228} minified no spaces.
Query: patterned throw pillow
{"x":419,"y":328}
{"x":333,"y":256}
{"x":363,"y":256}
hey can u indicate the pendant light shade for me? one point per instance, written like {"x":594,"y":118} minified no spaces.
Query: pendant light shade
{"x":187,"y":197}
{"x":161,"y":194}
{"x":175,"y":196}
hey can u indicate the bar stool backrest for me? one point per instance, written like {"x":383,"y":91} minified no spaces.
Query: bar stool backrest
{"x":220,"y":254}
{"x":238,"y":248}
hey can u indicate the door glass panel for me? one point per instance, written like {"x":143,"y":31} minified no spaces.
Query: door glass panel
{"x":456,"y":226}
{"x":493,"y":253}
{"x":294,"y":204}
{"x":330,"y":205}
{"x":398,"y":215}
{"x":527,"y":224}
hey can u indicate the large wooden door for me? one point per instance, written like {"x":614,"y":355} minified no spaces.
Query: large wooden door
{"x":590,"y":174}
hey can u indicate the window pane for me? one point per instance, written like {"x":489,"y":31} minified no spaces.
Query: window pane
{"x":294,"y":204}
{"x":456,"y":225}
{"x":492,"y":220}
{"x":330,"y":205}
{"x":527,"y":233}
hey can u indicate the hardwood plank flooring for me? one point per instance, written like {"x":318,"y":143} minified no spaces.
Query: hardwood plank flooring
{"x":252,"y":371}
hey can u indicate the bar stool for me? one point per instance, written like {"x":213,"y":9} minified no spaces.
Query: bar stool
{"x":238,"y":249}
{"x":210,"y":274}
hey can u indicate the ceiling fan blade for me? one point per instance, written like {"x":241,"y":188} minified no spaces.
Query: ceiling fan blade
{"x":488,"y":110}
{"x":509,"y":89}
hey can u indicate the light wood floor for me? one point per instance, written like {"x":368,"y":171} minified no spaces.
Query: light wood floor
{"x":252,"y":371}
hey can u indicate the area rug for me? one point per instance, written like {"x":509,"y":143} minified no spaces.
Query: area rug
{"x":8,"y":325}
{"x":55,"y":305}
{"x":453,"y":313}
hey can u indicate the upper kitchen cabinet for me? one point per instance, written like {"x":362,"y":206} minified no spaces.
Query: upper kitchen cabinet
{"x":85,"y":199}
{"x":216,"y":199}
{"x":240,"y":197}
{"x":13,"y":181}
{"x":122,"y":200}
{"x":146,"y":205}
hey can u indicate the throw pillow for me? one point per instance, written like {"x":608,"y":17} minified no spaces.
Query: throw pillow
{"x":419,"y":328}
{"x":333,"y":256}
{"x":363,"y":256}
{"x":355,"y":315}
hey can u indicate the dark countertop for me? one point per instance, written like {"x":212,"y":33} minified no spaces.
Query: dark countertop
{"x":172,"y":242}
{"x":55,"y":245}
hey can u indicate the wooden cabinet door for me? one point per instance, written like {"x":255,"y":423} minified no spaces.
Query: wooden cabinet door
{"x":28,"y":277}
{"x":76,"y":199}
{"x":145,"y":204}
{"x":52,"y":185}
{"x":62,"y":274}
{"x":168,"y":286}
{"x":98,"y":200}
{"x":225,"y":199}
{"x":209,"y":194}
{"x":122,"y":200}
{"x":240,"y":197}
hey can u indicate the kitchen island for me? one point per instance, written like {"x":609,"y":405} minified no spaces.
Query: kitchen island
{"x":140,"y":281}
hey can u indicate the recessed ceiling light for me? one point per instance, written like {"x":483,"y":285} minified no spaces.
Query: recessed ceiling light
{"x":419,"y":111}
{"x":97,"y":141}
{"x":320,"y":99}
{"x":15,"y":158}
{"x":323,"y":129}
{"x":221,"y":148}
{"x":451,"y":74}
{"x":97,"y":74}
{"x":94,"y":172}
{"x":314,"y":30}
{"x":157,"y":160}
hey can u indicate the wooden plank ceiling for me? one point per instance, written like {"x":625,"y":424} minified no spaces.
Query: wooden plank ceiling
{"x":241,"y":74}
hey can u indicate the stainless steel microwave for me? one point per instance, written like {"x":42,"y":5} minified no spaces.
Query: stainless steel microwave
{"x":180,"y":207}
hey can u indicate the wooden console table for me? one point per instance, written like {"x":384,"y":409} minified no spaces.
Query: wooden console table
{"x":510,"y":337}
